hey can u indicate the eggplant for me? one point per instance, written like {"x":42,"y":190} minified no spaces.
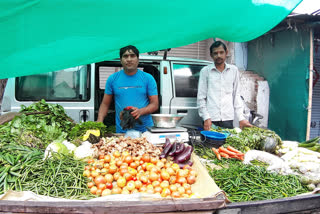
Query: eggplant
{"x":173,"y":149}
{"x":166,"y":150}
{"x":185,"y":155}
{"x":180,"y":148}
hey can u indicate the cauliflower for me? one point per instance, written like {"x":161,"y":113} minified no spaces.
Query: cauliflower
{"x":55,"y":147}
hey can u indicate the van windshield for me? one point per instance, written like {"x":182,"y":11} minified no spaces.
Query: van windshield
{"x":70,"y":84}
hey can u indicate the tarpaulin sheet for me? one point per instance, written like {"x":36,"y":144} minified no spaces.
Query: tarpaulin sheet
{"x":283,"y":58}
{"x":40,"y":36}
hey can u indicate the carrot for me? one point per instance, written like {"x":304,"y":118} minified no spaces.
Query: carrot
{"x":224,"y":155}
{"x":230,"y":148}
{"x":216,"y":153}
{"x":222,"y":149}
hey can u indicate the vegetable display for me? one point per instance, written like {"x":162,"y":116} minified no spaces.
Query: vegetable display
{"x":179,"y":152}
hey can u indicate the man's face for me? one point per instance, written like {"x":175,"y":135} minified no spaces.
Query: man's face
{"x":219,"y":55}
{"x":129,"y":61}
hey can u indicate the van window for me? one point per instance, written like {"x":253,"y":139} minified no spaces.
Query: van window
{"x":72,"y":84}
{"x":186,"y":78}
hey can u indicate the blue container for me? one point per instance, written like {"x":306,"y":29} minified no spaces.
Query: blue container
{"x":212,"y":135}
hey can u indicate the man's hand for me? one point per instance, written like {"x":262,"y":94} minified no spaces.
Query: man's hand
{"x":207,"y":124}
{"x":244,"y":123}
{"x":136,"y":113}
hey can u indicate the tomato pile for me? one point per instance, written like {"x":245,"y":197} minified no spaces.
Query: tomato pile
{"x":121,"y":173}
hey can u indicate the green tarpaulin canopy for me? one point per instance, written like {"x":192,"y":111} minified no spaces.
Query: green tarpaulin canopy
{"x":40,"y":36}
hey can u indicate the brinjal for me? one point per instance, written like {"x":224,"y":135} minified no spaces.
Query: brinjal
{"x":180,"y":148}
{"x":166,"y":150}
{"x":184,"y":156}
{"x":173,"y":149}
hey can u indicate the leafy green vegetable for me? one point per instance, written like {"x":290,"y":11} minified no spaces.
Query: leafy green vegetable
{"x":80,"y":129}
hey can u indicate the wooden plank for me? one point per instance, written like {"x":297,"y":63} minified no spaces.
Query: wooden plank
{"x":118,"y":207}
{"x":284,"y":205}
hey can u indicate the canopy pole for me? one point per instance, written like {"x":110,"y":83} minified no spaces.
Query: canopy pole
{"x":310,"y":85}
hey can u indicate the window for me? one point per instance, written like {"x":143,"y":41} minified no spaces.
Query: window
{"x":186,"y":78}
{"x":70,"y":84}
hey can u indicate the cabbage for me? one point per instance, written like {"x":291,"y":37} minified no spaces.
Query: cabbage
{"x":55,"y":147}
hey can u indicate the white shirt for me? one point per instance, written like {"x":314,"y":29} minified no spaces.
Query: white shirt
{"x":218,"y":94}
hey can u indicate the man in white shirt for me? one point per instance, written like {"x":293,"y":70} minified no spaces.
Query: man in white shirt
{"x":218,"y":91}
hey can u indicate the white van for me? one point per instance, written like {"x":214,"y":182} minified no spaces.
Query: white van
{"x":80,"y":89}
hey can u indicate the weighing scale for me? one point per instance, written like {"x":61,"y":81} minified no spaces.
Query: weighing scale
{"x":157,"y":135}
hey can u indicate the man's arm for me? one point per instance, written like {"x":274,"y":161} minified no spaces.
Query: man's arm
{"x":104,"y":107}
{"x":149,"y":109}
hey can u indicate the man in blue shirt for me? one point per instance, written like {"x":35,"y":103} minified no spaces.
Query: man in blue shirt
{"x":130,"y":87}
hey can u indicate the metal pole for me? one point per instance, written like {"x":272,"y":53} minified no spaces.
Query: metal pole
{"x":310,"y":85}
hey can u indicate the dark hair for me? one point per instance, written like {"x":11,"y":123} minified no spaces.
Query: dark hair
{"x":129,"y":47}
{"x":217,"y":44}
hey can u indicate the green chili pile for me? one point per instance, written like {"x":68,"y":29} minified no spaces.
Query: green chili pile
{"x":251,"y":183}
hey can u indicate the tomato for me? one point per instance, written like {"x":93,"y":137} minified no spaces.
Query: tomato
{"x":104,"y":171}
{"x":90,"y":184}
{"x":106,"y":192}
{"x":155,"y":169}
{"x":181,"y":190}
{"x":94,"y":173}
{"x":134,"y":178}
{"x":164,"y":160}
{"x":157,"y":189}
{"x":132,"y":171}
{"x":173,"y":188}
{"x":106,"y":165}
{"x":182,"y":173}
{"x":134,"y":191}
{"x":116,"y":190}
{"x":116,"y":154}
{"x":160,"y":164}
{"x":116,"y":176}
{"x":123,"y":171}
{"x":138,"y":184}
{"x":165,"y":192}
{"x":121,"y":182}
{"x":109,"y":178}
{"x":86,"y":173}
{"x":101,"y":157}
{"x":149,"y":166}
{"x":143,"y":179}
{"x":181,"y":180}
{"x":175,"y":167}
{"x":176,"y":194}
{"x":102,"y":186}
{"x":186,"y":186}
{"x":165,"y":175}
{"x":155,"y":183}
{"x":100,"y":180}
{"x":191,"y":179}
{"x":153,"y":176}
{"x":193,"y":172}
{"x":143,"y":189}
{"x":131,"y":185}
{"x":128,"y":159}
{"x":188,"y":191}
{"x":150,"y":191}
{"x":153,"y":160}
{"x":87,"y":167}
{"x":146,"y":157}
{"x":119,"y":163}
{"x":99,"y":192}
{"x":125,"y":191}
{"x":90,"y":161}
{"x":170,"y":171}
{"x":113,"y":169}
{"x":93,"y":190}
{"x":109,"y":185}
{"x":164,"y":184}
{"x":127,"y":176}
{"x":107,"y":158}
{"x":133,"y":165}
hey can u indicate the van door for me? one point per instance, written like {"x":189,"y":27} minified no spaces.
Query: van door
{"x":69,"y":88}
{"x":185,"y":78}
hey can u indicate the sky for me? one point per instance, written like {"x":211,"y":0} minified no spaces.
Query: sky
{"x":307,"y":6}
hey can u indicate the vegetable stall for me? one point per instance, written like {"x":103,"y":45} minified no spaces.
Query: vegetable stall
{"x":47,"y":162}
